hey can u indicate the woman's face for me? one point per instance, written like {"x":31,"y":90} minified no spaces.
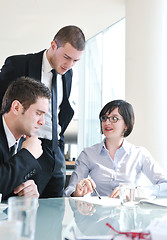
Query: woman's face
{"x":115,"y":126}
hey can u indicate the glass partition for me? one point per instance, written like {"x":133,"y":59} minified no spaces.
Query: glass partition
{"x":103,"y":80}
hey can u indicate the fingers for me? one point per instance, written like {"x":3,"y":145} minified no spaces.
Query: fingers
{"x":33,"y":145}
{"x":27,"y":189}
{"x":87,"y":184}
{"x":115,"y":193}
{"x":84,"y":187}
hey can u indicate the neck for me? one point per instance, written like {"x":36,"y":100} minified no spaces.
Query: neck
{"x":112,"y":145}
{"x":48,"y":54}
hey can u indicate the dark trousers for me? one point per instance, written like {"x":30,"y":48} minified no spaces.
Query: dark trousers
{"x":51,"y":179}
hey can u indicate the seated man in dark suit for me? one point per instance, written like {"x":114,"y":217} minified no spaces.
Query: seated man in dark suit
{"x":53,"y":67}
{"x":23,"y":110}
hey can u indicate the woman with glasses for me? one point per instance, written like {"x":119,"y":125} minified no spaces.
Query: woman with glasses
{"x":105,"y":165}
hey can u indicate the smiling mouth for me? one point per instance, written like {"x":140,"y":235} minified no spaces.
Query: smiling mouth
{"x":108,"y":129}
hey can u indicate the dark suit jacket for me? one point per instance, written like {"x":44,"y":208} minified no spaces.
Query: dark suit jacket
{"x":50,"y":180}
{"x":16,"y":170}
{"x":30,"y":65}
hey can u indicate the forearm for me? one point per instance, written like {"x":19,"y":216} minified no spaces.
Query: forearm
{"x":17,"y":170}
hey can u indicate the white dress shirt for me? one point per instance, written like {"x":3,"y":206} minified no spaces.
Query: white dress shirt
{"x":10,"y":138}
{"x":129,"y":162}
{"x":45,"y":131}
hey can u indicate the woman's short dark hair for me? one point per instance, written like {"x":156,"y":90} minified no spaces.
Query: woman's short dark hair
{"x":125,"y":109}
{"x":70,"y":34}
{"x":26,"y":90}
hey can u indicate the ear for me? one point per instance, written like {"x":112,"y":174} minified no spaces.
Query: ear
{"x":16,"y":107}
{"x":53,"y":45}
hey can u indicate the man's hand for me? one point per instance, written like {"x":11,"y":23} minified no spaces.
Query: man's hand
{"x":33,"y":145}
{"x":27,"y":189}
{"x":84,"y":187}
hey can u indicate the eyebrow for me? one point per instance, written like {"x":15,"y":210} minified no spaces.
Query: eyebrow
{"x":70,"y":57}
{"x":113,"y":114}
{"x":38,"y":110}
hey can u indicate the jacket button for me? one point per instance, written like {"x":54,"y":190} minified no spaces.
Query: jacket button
{"x":26,"y":177}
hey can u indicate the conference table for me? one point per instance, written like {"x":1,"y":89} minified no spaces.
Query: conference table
{"x":65,"y":218}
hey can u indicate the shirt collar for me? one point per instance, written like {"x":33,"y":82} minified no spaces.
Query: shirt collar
{"x":102,"y":146}
{"x":125,"y":146}
{"x":45,"y":64}
{"x":10,"y":138}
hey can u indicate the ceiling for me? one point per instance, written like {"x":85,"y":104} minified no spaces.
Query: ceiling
{"x":29,"y":26}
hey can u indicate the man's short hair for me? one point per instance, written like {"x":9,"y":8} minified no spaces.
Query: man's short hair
{"x":70,"y":34}
{"x":26,"y":90}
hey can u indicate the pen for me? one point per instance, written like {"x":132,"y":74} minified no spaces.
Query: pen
{"x":97,"y":193}
{"x":94,"y":189}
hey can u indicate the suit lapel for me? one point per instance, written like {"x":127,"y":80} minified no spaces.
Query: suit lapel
{"x":67,"y":83}
{"x":3,"y":139}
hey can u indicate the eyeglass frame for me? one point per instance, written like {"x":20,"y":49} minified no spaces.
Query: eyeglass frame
{"x":109,"y":118}
{"x":132,"y":235}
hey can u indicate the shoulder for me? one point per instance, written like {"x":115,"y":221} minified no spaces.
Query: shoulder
{"x":89,"y":155}
{"x":137,"y":150}
{"x":23,"y":57}
{"x":96,"y":148}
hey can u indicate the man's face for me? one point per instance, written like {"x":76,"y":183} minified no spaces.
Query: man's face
{"x":30,"y":120}
{"x":63,"y":58}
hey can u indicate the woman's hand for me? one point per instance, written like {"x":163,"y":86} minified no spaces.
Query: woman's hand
{"x":84,"y":187}
{"x":115,"y":193}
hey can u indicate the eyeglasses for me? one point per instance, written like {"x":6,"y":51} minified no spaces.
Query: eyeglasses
{"x":130,"y":235}
{"x":112,"y":119}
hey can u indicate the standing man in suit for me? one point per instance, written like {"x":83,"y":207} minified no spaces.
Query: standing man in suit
{"x":23,"y":109}
{"x":50,"y":66}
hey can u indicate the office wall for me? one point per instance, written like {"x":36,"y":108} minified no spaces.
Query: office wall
{"x":146,"y":73}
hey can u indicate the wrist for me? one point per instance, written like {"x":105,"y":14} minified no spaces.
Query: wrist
{"x":72,"y":194}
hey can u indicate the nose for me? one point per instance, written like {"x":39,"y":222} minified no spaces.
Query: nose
{"x":70,"y":63}
{"x":42,"y":120}
{"x":108,"y":121}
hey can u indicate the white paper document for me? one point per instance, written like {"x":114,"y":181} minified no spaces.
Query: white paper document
{"x":104,"y":201}
{"x":157,"y":201}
